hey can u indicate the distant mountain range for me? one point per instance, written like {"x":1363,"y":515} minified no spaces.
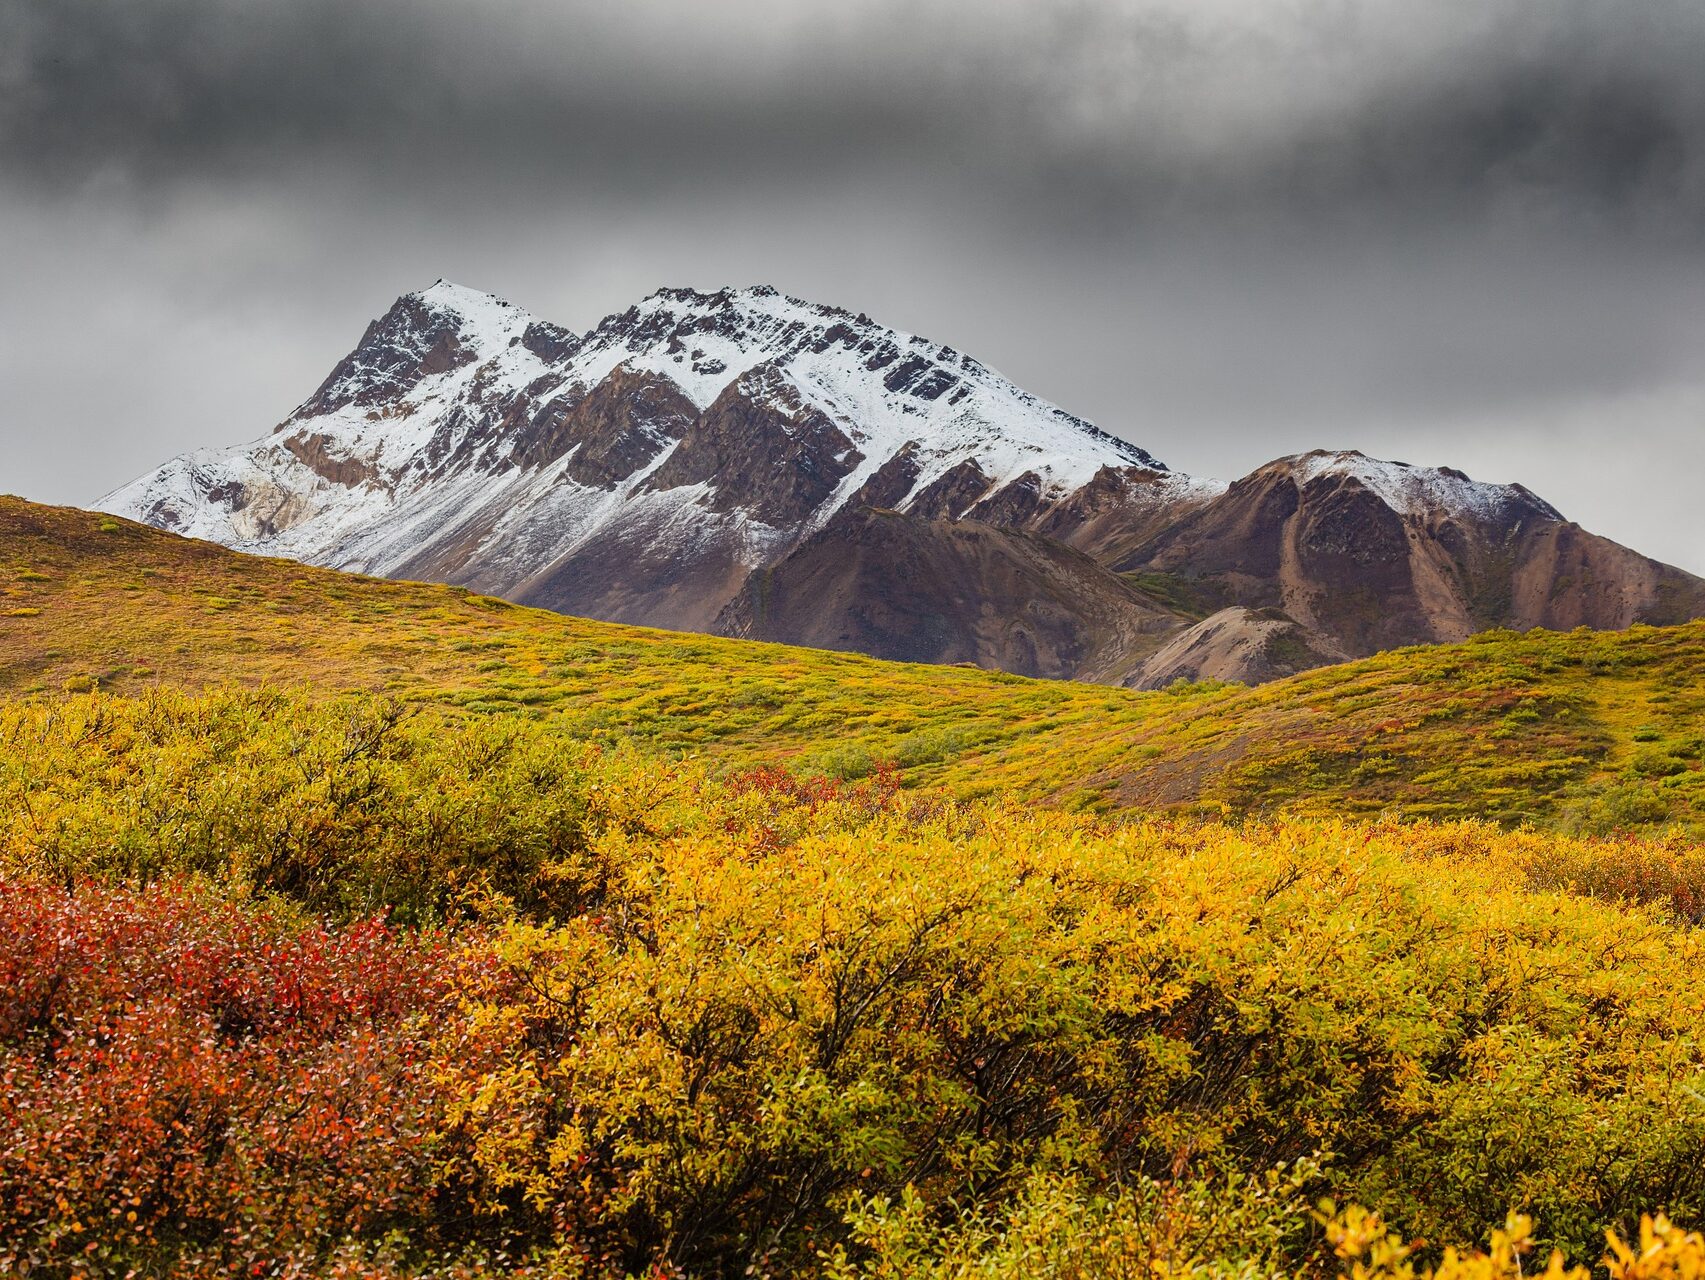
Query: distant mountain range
{"x":748,"y":464}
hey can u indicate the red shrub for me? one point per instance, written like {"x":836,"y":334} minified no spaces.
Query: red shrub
{"x":184,"y":1075}
{"x":870,"y":794}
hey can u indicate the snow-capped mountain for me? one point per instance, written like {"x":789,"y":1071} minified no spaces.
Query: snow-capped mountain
{"x":668,"y":452}
{"x":747,"y":462}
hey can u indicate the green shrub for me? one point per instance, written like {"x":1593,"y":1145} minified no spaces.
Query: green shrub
{"x":348,"y":809}
{"x":929,"y":746}
{"x":1656,"y":763}
{"x":1620,"y":808}
{"x":848,"y":761}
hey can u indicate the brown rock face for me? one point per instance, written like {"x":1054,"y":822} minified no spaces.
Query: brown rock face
{"x":931,"y":590}
{"x":891,"y":483}
{"x":311,"y":451}
{"x":1119,"y":510}
{"x":1244,"y":645}
{"x":1238,"y":539}
{"x":1015,"y":505}
{"x":951,"y":495}
{"x":617,"y":429}
{"x":1563,"y":577}
{"x":1360,"y":575}
{"x":763,"y":451}
{"x":409,"y":342}
{"x":626,"y":573}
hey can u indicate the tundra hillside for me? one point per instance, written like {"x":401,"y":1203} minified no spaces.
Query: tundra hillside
{"x":1584,"y":731}
{"x":370,"y":929}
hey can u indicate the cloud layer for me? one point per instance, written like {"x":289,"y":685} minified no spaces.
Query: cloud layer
{"x":1456,"y":232}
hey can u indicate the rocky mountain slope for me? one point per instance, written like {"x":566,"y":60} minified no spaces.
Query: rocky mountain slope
{"x":748,"y":463}
{"x":943,"y":590}
{"x":1363,"y":555}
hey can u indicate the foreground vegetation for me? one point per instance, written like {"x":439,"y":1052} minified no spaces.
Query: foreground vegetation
{"x":366,"y":929}
{"x":308,"y":986}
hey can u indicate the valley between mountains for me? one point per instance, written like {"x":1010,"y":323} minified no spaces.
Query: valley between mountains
{"x":747,"y":464}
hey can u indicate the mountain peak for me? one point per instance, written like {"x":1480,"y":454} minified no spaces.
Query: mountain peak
{"x":479,"y":311}
{"x":707,"y":413}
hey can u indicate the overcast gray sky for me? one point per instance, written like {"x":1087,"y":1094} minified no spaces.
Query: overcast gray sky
{"x":1465,"y":232}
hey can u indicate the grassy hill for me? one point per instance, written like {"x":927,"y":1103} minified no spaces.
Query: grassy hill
{"x":1587,"y":731}
{"x":383,"y":930}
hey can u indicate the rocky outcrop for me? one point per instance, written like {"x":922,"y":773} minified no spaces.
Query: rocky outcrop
{"x":762,"y":449}
{"x":619,"y":428}
{"x":328,"y":463}
{"x":1561,"y":577}
{"x":1249,"y":646}
{"x":1366,"y":555}
{"x":415,"y":339}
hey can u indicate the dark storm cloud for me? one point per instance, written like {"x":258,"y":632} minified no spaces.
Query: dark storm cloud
{"x":1544,"y":109}
{"x":1552,"y":113}
{"x":1459,"y":231}
{"x":427,"y":97}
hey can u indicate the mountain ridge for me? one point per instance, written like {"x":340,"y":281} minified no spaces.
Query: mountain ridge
{"x":743,"y":461}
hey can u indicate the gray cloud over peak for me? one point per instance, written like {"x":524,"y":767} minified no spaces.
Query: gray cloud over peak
{"x":1458,"y":231}
{"x":1559,"y":110}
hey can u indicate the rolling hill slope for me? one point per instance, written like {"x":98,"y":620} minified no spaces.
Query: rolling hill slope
{"x":1587,"y":730}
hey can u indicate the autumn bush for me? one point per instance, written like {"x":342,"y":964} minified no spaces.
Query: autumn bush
{"x":1060,"y":1227}
{"x":353,"y":991}
{"x":743,"y":1038}
{"x":356,"y":808}
{"x":190,"y":1085}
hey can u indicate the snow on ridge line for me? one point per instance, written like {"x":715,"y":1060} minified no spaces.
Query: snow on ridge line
{"x":784,"y":309}
{"x":466,"y":301}
{"x":1414,"y":490}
